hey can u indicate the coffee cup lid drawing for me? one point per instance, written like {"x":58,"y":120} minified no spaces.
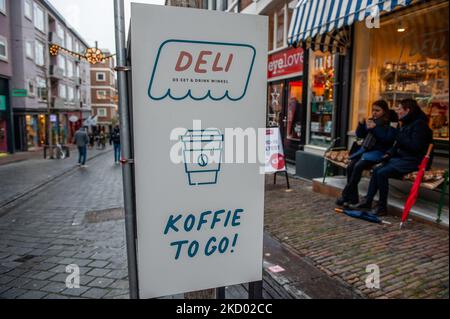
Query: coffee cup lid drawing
{"x":202,"y":156}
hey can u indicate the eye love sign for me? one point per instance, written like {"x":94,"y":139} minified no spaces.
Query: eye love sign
{"x":201,"y":70}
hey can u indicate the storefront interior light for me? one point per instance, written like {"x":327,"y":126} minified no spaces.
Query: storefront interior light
{"x":401,"y":28}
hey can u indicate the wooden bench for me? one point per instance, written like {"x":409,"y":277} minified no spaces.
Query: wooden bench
{"x":439,"y":184}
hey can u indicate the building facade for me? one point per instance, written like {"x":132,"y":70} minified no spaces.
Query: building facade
{"x":6,"y":136}
{"x":55,"y":89}
{"x":104,"y":93}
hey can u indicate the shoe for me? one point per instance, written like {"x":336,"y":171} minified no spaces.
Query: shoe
{"x":380,"y":211}
{"x":79,"y":165}
{"x":84,"y":166}
{"x":341,"y":201}
{"x":364,"y":205}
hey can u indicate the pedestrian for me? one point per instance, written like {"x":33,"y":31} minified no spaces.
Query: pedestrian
{"x":81,"y":139}
{"x":379,"y":137}
{"x":411,"y":145}
{"x":115,"y":138}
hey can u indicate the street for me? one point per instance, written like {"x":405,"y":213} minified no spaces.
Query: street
{"x":43,"y":234}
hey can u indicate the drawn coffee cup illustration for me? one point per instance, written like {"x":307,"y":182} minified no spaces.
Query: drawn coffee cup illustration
{"x":202,"y":156}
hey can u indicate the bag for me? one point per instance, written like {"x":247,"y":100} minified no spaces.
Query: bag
{"x":369,"y":142}
{"x":354,"y":148}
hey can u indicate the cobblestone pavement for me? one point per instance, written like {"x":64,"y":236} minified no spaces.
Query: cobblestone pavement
{"x":49,"y":231}
{"x":413,"y":262}
{"x":25,"y":175}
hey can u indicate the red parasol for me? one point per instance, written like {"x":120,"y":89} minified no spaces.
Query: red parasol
{"x":415,"y":188}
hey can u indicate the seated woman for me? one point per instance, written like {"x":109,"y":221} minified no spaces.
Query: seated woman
{"x":410,"y":147}
{"x":379,"y":136}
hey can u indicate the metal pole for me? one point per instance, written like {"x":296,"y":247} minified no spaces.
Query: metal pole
{"x":128,"y":187}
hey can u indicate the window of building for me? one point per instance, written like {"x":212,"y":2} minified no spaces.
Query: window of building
{"x":39,"y":49}
{"x":3,"y":6}
{"x":280,"y":29}
{"x":101,"y":94}
{"x":321,"y":98}
{"x":31,"y":88}
{"x":77,"y":47}
{"x":69,"y":42}
{"x":39,"y":20}
{"x":41,"y":86}
{"x":29,"y":50}
{"x":69,"y":69}
{"x":70,"y":94}
{"x":62,"y":91}
{"x":406,"y":58}
{"x":28,"y":10}
{"x":61,"y":60}
{"x":101,"y":112}
{"x":77,"y":70}
{"x":3,"y":49}
{"x":60,"y":33}
{"x":101,"y":76}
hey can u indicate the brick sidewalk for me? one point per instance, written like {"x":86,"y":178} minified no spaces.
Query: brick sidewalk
{"x":413,"y":262}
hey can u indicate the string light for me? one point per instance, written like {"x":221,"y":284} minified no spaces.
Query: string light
{"x":92,"y":55}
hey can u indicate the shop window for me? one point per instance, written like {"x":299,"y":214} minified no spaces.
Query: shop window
{"x":321,"y":98}
{"x":294,"y":116}
{"x":406,"y":58}
{"x":275,"y":104}
{"x":32,"y":131}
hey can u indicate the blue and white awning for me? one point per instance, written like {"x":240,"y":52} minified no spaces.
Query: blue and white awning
{"x":313,"y":18}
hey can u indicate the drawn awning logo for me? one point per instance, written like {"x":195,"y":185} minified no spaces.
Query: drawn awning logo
{"x":201,"y":70}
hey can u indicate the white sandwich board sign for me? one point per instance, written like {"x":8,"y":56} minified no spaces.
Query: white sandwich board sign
{"x":199,"y":219}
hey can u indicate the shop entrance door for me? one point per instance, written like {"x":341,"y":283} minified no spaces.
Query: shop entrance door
{"x":286,"y":111}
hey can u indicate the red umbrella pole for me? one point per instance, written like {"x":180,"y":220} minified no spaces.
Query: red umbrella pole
{"x":416,"y":186}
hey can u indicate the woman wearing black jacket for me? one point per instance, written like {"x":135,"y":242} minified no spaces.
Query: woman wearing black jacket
{"x":379,"y":136}
{"x":410,"y":148}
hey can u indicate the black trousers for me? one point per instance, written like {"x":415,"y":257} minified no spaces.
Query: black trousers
{"x":354,"y":174}
{"x":395,"y":168}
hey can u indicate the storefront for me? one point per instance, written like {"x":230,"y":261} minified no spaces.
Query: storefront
{"x":3,"y":126}
{"x":407,"y":57}
{"x":30,"y":131}
{"x":285,"y":98}
{"x":390,"y":50}
{"x":6,"y":141}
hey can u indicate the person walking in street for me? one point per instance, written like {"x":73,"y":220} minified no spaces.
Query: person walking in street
{"x":379,"y":137}
{"x":115,"y":139}
{"x":411,"y":145}
{"x":81,"y":140}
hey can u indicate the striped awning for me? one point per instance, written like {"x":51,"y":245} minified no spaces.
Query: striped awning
{"x":324,"y":23}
